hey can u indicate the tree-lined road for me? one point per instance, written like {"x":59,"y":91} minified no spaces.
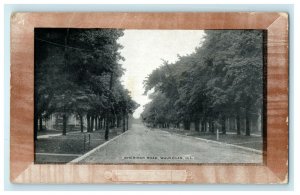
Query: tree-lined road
{"x":144,"y":145}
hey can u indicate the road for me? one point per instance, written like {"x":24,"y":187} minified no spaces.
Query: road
{"x":144,"y":145}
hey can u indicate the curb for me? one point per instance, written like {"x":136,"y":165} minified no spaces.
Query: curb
{"x":232,"y":145}
{"x":76,"y":160}
{"x":223,"y":143}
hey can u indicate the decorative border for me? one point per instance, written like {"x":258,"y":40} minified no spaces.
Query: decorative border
{"x":275,"y":167}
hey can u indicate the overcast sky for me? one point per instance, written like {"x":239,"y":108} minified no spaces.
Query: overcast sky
{"x":144,"y":50}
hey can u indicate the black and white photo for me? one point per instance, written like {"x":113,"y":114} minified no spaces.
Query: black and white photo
{"x":124,"y":96}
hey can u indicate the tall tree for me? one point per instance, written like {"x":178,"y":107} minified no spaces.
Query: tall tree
{"x":221,"y":79}
{"x":72,"y":73}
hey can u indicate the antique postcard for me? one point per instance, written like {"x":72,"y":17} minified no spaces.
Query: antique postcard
{"x":149,"y":98}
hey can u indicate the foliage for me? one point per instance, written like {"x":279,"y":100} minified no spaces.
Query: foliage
{"x":220,"y":79}
{"x":74,"y":69}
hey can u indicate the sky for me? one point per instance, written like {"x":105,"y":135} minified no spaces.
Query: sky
{"x":144,"y":51}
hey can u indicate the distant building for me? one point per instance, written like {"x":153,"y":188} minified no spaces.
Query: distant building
{"x":55,"y":122}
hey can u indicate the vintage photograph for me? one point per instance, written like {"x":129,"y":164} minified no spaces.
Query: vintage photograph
{"x":124,"y":96}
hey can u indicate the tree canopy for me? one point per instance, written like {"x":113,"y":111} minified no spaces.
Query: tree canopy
{"x":222,"y":78}
{"x":77,"y":71}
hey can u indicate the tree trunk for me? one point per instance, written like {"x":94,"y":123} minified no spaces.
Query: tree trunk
{"x":106,"y":126}
{"x":88,"y":122}
{"x":223,"y":124}
{"x":187,"y":125}
{"x":211,"y":126}
{"x":227,"y":124}
{"x":197,"y":123}
{"x":238,"y":125}
{"x":127,"y":127}
{"x":81,"y":123}
{"x":99,"y":122}
{"x":64,"y":124}
{"x":96,"y":123}
{"x":247,"y":123}
{"x":118,"y":121}
{"x":123,"y":118}
{"x":202,"y":125}
{"x":92,"y":123}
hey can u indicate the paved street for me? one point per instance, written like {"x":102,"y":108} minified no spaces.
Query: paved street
{"x":144,"y":145}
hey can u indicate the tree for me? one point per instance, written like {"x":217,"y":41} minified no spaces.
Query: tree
{"x":74,"y":74}
{"x":221,"y":79}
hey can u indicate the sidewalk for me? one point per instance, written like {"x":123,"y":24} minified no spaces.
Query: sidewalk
{"x":56,"y":148}
{"x":253,"y":142}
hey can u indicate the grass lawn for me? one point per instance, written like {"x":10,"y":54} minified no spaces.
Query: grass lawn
{"x":56,"y":131}
{"x":254,"y":142}
{"x":72,"y":145}
{"x":49,"y":132}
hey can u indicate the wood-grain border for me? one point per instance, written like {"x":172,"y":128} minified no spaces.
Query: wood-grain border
{"x":275,"y":167}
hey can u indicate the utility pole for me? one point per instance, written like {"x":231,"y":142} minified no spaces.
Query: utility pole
{"x":108,"y":112}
